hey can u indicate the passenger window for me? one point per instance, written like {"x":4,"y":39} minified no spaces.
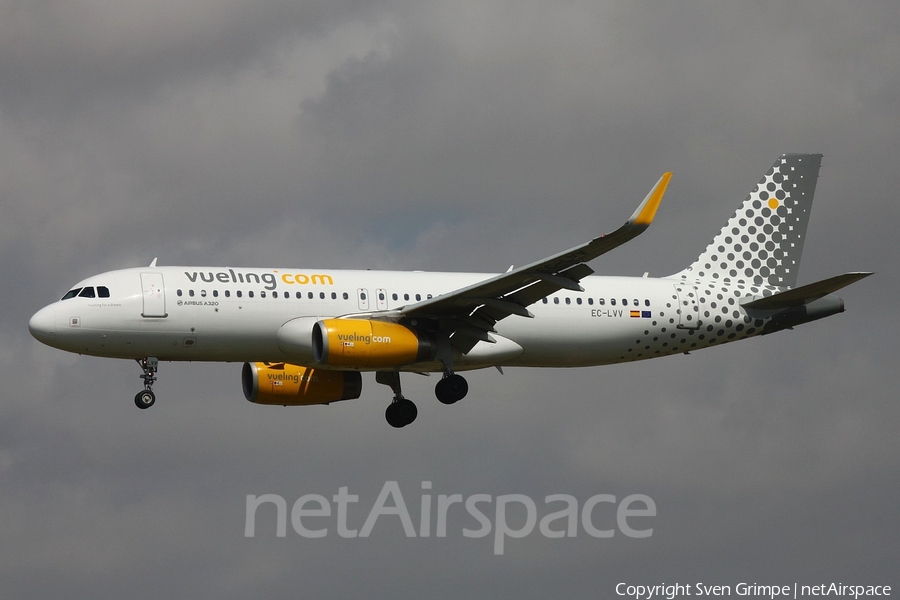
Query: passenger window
{"x":215,"y":293}
{"x":591,"y":301}
{"x":239,"y":293}
{"x":191,"y":293}
{"x":646,"y":302}
{"x":71,"y":294}
{"x":299,"y":295}
{"x":203,"y":293}
{"x":178,"y":293}
{"x":544,"y":300}
{"x":322,"y":296}
{"x":556,"y":301}
{"x":406,"y":296}
{"x":102,"y":291}
{"x":568,"y":300}
{"x":578,"y":300}
{"x":310,"y":295}
{"x":87,"y":292}
{"x":228,"y":293}
{"x":612,"y":301}
{"x":418,"y":297}
{"x":262,"y":294}
{"x":346,"y":296}
{"x":249,"y":294}
{"x":394,"y":296}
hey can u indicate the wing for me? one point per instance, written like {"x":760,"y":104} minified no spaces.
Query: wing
{"x":470,"y":313}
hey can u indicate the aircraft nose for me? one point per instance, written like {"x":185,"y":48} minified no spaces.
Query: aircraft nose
{"x":43,"y":325}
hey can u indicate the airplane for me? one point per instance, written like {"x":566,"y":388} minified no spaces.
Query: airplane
{"x":305,"y":335}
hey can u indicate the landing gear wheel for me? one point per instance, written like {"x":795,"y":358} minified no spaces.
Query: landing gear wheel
{"x":401,"y":412}
{"x":451,"y":389}
{"x":407,"y":410}
{"x":145,"y":399}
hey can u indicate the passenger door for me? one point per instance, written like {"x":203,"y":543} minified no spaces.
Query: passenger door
{"x":154,"y":295}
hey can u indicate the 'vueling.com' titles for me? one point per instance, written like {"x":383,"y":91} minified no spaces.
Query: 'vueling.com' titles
{"x":269,"y":279}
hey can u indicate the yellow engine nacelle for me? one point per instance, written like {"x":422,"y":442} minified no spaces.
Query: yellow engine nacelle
{"x":364,"y":344}
{"x":293,"y":385}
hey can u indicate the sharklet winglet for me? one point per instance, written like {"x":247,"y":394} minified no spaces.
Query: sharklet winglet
{"x":647,"y":210}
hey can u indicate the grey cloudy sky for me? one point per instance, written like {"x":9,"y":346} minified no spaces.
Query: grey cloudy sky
{"x":467,"y":136}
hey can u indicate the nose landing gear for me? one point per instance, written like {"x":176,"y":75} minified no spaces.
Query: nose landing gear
{"x":146,"y":398}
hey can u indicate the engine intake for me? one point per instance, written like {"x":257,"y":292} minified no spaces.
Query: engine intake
{"x":293,"y":385}
{"x":365,"y":344}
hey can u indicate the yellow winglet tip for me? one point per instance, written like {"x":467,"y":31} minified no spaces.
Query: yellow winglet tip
{"x":651,"y":203}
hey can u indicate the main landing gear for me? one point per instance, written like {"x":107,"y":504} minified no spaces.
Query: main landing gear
{"x":451,"y":389}
{"x":402,"y":411}
{"x":146,"y":398}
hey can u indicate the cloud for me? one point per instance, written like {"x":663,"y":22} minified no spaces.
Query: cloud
{"x":457,"y":136}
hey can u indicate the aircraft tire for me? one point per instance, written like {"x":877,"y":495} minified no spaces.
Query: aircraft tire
{"x":144,"y":399}
{"x":451,"y":389}
{"x":407,"y":410}
{"x":401,"y":413}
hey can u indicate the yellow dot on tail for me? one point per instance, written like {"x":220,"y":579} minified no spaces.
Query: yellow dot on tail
{"x":773,"y":203}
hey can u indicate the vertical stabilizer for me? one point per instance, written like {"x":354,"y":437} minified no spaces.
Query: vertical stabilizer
{"x":761,"y":244}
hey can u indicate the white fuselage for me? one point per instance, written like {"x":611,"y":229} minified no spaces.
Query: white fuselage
{"x":231,"y":314}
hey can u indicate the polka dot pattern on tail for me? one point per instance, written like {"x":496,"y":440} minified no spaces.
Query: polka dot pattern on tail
{"x":762,"y":242}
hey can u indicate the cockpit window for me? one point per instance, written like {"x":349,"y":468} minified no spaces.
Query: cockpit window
{"x":88,"y":292}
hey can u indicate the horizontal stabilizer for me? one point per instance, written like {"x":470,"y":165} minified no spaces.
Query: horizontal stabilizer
{"x":805,"y":294}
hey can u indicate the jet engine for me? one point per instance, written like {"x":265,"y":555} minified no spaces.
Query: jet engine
{"x":295,"y":339}
{"x":365,"y":344}
{"x":293,"y":385}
